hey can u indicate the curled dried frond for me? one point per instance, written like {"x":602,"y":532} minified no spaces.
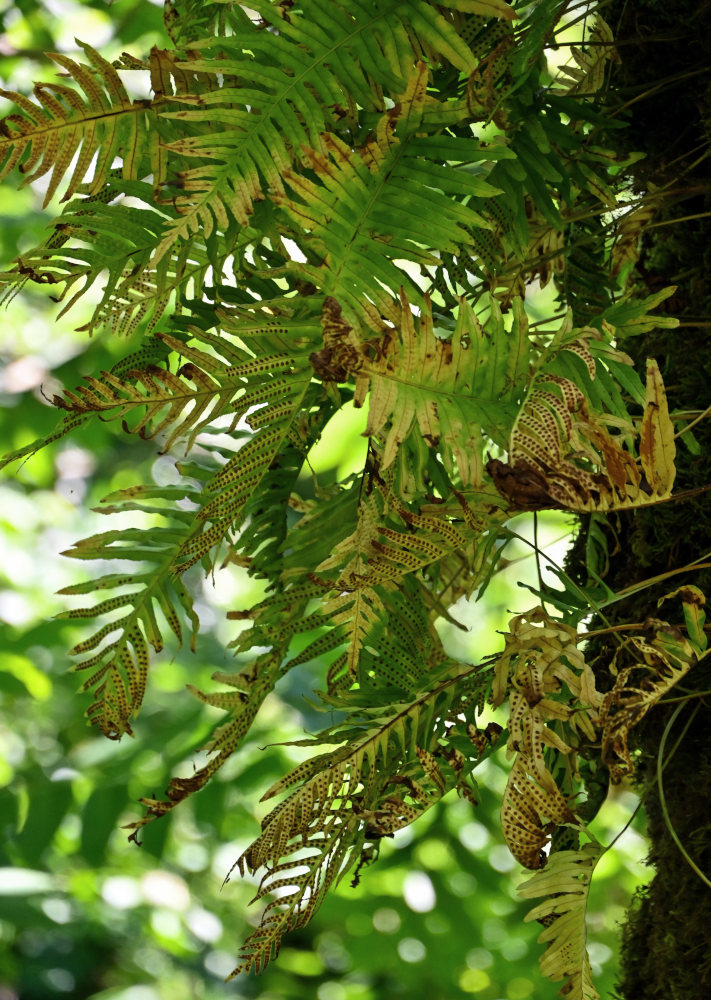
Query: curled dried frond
{"x":659,"y":661}
{"x":563,"y":455}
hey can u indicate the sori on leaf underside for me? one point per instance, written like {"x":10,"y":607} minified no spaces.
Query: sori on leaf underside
{"x":325,"y":204}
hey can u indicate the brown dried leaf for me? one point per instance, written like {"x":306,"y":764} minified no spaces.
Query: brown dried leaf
{"x":660,"y":662}
{"x":562,"y":456}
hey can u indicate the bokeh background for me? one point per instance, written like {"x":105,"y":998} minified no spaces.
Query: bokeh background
{"x":86,"y":914}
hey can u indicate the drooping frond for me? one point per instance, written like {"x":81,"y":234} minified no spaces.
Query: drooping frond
{"x":547,"y":680}
{"x":565,"y":882}
{"x":119,"y":669}
{"x":390,"y":769}
{"x":275,"y":622}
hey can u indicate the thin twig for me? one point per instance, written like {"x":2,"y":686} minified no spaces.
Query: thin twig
{"x":662,"y":799}
{"x":701,"y":416}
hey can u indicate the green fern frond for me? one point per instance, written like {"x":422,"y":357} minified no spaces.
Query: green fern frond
{"x":152,"y":352}
{"x":293,"y":81}
{"x":276,"y":427}
{"x":64,"y":427}
{"x":119,"y":669}
{"x":275,"y":622}
{"x":99,"y":119}
{"x":361,"y":211}
{"x":187,"y":21}
{"x":284,"y":89}
{"x":183,"y":404}
{"x":246,"y":693}
{"x":93,"y":241}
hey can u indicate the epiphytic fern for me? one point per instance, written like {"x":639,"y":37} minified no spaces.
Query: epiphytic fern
{"x":332,"y":203}
{"x":555,"y":710}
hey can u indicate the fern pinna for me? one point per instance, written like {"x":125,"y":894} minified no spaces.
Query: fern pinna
{"x":326,"y":203}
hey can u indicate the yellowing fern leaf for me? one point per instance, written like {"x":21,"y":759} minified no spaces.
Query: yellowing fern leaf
{"x":565,"y":882}
{"x":659,"y":661}
{"x":447,"y":389}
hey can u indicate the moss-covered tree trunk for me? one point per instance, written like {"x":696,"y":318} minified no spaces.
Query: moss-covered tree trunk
{"x":665,"y":79}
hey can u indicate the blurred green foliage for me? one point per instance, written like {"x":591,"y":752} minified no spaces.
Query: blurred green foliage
{"x":85,"y":914}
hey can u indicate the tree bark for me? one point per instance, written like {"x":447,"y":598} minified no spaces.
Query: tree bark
{"x":665,"y":80}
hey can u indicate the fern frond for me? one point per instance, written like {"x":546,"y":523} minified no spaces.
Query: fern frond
{"x":276,"y":621}
{"x":391,"y":769}
{"x":293,"y":80}
{"x":64,"y":427}
{"x":151,"y":353}
{"x":98,"y":119}
{"x":93,"y":241}
{"x":105,"y":240}
{"x":184,"y":403}
{"x":284,"y":88}
{"x":586,"y":73}
{"x":547,"y":680}
{"x":659,"y":661}
{"x":276,"y":428}
{"x":565,"y":882}
{"x":187,"y":21}
{"x":361,"y":211}
{"x":563,"y":455}
{"x":447,"y":389}
{"x":249,"y":688}
{"x":119,"y":669}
